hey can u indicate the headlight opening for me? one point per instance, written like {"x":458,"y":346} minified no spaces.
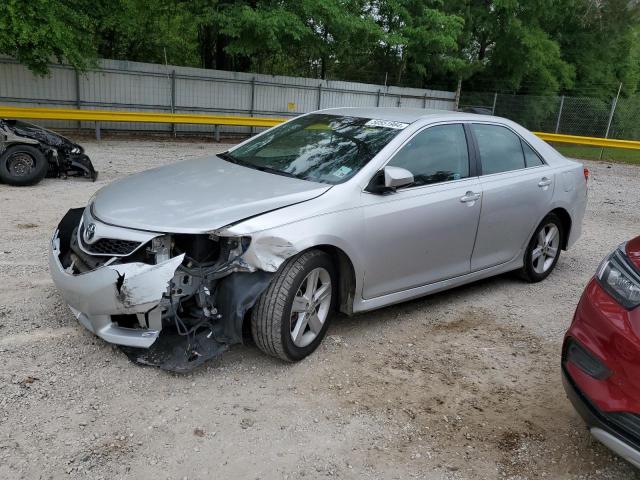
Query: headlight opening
{"x":620,"y":279}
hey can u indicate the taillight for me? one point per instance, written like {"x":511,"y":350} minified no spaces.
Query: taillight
{"x":586,"y":174}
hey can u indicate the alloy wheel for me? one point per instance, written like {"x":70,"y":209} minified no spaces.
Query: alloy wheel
{"x":310,"y":307}
{"x":547,"y":248}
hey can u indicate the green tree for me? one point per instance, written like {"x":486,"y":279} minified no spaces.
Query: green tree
{"x":145,"y":30}
{"x":285,"y":36}
{"x":540,"y":47}
{"x":507,"y":48}
{"x":39,"y":31}
{"x":261,"y":35}
{"x":601,"y":40}
{"x":421,"y":40}
{"x":339,"y":35}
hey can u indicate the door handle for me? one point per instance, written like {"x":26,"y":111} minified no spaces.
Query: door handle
{"x":544,"y":182}
{"x":470,"y":197}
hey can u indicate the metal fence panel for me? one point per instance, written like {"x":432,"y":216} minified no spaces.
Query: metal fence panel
{"x":17,"y":82}
{"x":135,"y":86}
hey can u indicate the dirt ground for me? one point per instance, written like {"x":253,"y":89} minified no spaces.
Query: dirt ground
{"x":459,"y":385}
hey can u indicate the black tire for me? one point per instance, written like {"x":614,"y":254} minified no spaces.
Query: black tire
{"x":22,"y":175}
{"x":529,"y":272}
{"x":271,"y":316}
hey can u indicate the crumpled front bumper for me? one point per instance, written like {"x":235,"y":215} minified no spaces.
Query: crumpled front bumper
{"x":121,"y":289}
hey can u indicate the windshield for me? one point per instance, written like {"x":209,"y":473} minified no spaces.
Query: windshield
{"x":321,"y":148}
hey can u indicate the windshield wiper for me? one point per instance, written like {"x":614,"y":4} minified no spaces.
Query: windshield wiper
{"x":273,"y":170}
{"x":228,"y":157}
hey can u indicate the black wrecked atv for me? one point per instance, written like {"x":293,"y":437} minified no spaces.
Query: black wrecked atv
{"x":29,"y":153}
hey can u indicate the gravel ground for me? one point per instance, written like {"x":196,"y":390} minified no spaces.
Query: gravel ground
{"x":464,"y":384}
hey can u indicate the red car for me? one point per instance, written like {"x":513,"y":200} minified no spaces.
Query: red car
{"x":601,"y":353}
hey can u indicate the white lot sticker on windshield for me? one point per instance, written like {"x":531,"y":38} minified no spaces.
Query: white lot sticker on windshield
{"x":386,"y":124}
{"x":343,"y":171}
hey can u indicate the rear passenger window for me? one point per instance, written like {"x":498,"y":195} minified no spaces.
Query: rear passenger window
{"x":436,"y":154}
{"x":500,"y":149}
{"x":531,"y":158}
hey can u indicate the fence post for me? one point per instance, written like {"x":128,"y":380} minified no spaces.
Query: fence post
{"x":253,"y":100}
{"x":78,"y":96}
{"x":378,"y":99}
{"x":560,"y":114}
{"x":613,"y":111}
{"x":319,"y":95}
{"x":424,"y":101}
{"x":399,"y":100}
{"x":173,"y":99}
{"x":495,"y":100}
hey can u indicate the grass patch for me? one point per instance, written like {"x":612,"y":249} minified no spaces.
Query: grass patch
{"x":585,"y":152}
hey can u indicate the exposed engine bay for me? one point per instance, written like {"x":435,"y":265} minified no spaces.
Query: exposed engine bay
{"x":35,"y":152}
{"x":173,"y":301}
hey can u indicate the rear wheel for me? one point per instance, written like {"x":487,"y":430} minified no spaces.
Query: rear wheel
{"x":291,"y":317}
{"x":22,"y":165}
{"x":543,"y":250}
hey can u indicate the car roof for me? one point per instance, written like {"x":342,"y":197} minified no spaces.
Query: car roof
{"x":426,"y":115}
{"x":406,"y":115}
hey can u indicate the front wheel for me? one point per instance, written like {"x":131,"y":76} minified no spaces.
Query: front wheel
{"x":22,"y":165}
{"x":543,"y":250}
{"x":291,"y":317}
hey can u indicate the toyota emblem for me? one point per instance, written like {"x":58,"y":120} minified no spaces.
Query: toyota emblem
{"x":89,"y":232}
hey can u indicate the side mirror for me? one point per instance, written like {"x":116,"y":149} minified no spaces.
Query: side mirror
{"x":396,"y":177}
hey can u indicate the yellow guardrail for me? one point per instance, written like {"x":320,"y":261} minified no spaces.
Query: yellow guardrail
{"x":141,"y":117}
{"x":152,"y":117}
{"x":593,"y":141}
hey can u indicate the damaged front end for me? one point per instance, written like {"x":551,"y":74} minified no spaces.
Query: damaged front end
{"x":169,"y":300}
{"x":65,"y":158}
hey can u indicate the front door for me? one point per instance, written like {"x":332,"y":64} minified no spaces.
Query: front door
{"x":423,"y":233}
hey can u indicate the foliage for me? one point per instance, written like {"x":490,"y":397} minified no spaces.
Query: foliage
{"x":600,"y":39}
{"x":36,"y":31}
{"x":541,"y":47}
{"x":509,"y":48}
{"x":421,"y":40}
{"x":144,"y":30}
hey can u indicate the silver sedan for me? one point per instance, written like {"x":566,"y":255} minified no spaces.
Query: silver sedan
{"x":341,"y":209}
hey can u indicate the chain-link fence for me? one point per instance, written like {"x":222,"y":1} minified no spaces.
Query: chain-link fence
{"x":585,"y":116}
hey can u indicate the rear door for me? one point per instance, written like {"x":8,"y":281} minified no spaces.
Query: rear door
{"x":423,"y":233}
{"x":517,"y":191}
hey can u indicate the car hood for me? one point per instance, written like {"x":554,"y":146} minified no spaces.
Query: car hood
{"x":197,"y":196}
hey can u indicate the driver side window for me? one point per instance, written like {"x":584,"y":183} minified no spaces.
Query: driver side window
{"x":436,"y":154}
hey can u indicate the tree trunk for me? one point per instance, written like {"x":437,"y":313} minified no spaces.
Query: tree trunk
{"x":206,"y":45}
{"x":223,"y":62}
{"x":482,"y":51}
{"x":403,"y":65}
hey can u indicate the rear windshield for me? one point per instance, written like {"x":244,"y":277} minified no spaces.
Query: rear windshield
{"x":321,"y":148}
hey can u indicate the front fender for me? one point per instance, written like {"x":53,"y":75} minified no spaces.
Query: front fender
{"x":270,"y":248}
